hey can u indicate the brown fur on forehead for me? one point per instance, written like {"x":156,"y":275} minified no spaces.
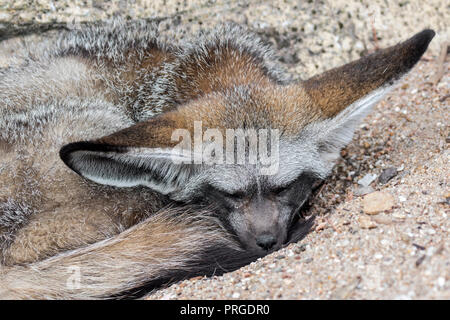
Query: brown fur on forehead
{"x":336,"y":89}
{"x":138,"y":63}
{"x":269,"y":106}
{"x":217,"y":68}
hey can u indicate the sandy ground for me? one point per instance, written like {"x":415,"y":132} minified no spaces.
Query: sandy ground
{"x":401,"y":253}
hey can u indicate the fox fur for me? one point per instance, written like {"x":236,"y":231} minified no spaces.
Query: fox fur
{"x":82,"y":125}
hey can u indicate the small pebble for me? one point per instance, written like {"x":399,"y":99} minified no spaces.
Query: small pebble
{"x":420,"y":260}
{"x":376,"y":202}
{"x":308,"y":260}
{"x":382,"y":219}
{"x":406,"y":238}
{"x":300,"y":248}
{"x":367,"y":179}
{"x":387,"y":175}
{"x":418,"y":246}
{"x":399,"y":215}
{"x":362,"y":191}
{"x":366,"y":223}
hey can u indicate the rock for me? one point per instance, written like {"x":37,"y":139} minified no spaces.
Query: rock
{"x":420,"y":260}
{"x":236,"y":295}
{"x":377,"y":202}
{"x":387,"y":175}
{"x":399,"y":215}
{"x":405,"y":238}
{"x":308,"y":260}
{"x":342,"y":292}
{"x":418,"y":246}
{"x":300,"y":249}
{"x":366,"y":222}
{"x":367,"y":179}
{"x":361,"y":191}
{"x":382,"y":219}
{"x":168,"y":296}
{"x":447,"y":198}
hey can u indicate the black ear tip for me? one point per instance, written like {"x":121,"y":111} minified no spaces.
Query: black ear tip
{"x":429,"y":33}
{"x":423,"y":38}
{"x":415,"y":47}
{"x":66,"y":151}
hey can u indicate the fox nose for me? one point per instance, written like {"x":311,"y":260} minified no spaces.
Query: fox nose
{"x":266,"y":241}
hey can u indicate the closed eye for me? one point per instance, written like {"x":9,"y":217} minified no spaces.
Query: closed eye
{"x":280,"y":190}
{"x":303,"y":178}
{"x":238,"y":195}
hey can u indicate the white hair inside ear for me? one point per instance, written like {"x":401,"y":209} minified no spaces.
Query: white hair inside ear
{"x":331,"y":135}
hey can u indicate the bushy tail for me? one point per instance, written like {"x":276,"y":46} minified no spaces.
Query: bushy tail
{"x":166,"y":247}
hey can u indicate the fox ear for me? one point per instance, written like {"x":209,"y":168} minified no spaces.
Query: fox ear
{"x":134,"y":156}
{"x":346,"y":94}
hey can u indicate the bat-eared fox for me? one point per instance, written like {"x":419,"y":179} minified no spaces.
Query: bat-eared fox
{"x":128,"y":161}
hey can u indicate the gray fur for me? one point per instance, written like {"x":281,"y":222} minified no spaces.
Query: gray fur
{"x":13,"y":215}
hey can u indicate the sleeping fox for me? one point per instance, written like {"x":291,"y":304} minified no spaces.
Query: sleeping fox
{"x":99,"y":194}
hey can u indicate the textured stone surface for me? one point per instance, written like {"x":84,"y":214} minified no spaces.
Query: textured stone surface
{"x":387,"y":175}
{"x":377,"y":202}
{"x":311,"y":35}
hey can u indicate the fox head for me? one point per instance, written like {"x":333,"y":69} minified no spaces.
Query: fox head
{"x":309,"y":122}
